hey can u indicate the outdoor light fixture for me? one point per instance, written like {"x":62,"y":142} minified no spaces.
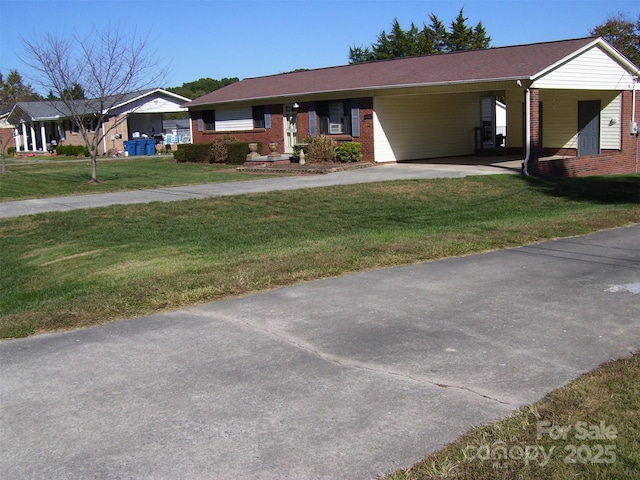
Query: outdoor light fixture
{"x":296,"y":106}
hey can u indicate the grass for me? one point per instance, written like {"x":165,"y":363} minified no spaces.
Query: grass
{"x":58,"y":178}
{"x":74,"y":269}
{"x":607,"y":397}
{"x":80,"y":268}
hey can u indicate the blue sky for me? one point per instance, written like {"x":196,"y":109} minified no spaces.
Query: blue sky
{"x":220,"y":38}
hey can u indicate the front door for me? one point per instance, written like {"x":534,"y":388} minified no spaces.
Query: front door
{"x":290,"y":128}
{"x":589,"y":127}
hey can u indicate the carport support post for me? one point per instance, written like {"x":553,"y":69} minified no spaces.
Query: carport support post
{"x":534,"y":127}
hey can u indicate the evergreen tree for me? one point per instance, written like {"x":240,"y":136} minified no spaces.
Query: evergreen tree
{"x":432,"y":39}
{"x":460,"y":37}
{"x":14,"y":90}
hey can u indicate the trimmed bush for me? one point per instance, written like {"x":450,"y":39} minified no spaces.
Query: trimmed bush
{"x":11,"y":151}
{"x":349,"y":152}
{"x":193,"y":153}
{"x":237,"y":152}
{"x":72,"y":150}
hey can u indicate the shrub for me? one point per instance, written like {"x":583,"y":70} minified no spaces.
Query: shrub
{"x":237,"y":152}
{"x":193,"y":153}
{"x":322,"y":149}
{"x":349,"y":152}
{"x":219,"y":148}
{"x":11,"y":151}
{"x":297,"y":148}
{"x":72,"y":150}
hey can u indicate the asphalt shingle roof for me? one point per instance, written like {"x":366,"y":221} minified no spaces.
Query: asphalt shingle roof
{"x":517,"y":62}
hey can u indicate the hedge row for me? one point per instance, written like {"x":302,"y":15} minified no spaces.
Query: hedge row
{"x":234,"y":153}
{"x":72,"y":150}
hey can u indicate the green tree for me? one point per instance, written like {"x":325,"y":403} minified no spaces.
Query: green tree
{"x":432,"y":39}
{"x":623,"y":34}
{"x":13,"y":89}
{"x":201,"y":87}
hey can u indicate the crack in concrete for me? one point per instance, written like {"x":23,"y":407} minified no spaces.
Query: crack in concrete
{"x":341,"y":361}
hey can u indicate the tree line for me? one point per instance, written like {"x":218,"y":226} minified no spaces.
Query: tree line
{"x":433,"y":38}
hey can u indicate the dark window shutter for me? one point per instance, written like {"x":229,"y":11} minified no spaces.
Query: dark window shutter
{"x":355,"y":118}
{"x":200,"y":121}
{"x":312,"y":119}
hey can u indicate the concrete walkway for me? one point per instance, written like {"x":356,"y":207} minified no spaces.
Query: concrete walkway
{"x":365,"y":175}
{"x":344,"y":378}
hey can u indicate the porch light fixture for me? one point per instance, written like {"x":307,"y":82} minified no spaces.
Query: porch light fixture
{"x":296,"y":106}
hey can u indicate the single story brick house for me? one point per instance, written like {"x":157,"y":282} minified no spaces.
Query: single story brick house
{"x":571,"y":107}
{"x":134,"y":114}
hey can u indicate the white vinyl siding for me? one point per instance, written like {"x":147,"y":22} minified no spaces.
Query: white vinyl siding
{"x":560,"y":118}
{"x":592,"y":70}
{"x":413,"y":127}
{"x":234,"y":119}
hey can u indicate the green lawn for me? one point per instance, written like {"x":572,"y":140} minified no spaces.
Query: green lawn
{"x":70,"y":269}
{"x":71,"y":177}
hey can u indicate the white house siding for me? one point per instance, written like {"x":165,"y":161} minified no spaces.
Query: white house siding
{"x":152,"y":105}
{"x":234,"y":119}
{"x":592,"y":70}
{"x":414,"y":127}
{"x":560,"y":118}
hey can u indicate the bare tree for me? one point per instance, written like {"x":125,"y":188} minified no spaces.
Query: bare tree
{"x":105,"y":66}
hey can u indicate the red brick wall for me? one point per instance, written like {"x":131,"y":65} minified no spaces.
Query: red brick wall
{"x":608,"y":162}
{"x":276,"y":132}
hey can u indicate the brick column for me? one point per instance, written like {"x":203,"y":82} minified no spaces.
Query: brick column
{"x":534,"y":123}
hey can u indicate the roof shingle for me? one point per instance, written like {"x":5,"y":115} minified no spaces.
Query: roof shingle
{"x":518,"y":62}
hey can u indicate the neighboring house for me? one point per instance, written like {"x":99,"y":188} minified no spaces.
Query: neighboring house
{"x":568,"y":107}
{"x":137,"y":114}
{"x":7,"y":132}
{"x":176,"y":131}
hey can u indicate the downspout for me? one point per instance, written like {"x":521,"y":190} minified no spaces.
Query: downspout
{"x":633,"y":116}
{"x":527,"y":130}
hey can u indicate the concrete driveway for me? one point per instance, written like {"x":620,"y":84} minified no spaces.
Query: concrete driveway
{"x":342,"y":378}
{"x":364,"y":175}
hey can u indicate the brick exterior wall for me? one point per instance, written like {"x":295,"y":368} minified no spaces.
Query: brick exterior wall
{"x":608,"y":162}
{"x":276,"y":132}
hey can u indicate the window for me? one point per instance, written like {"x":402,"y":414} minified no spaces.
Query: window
{"x":258,"y":117}
{"x":93,"y":124}
{"x":335,"y":117}
{"x":209,"y":119}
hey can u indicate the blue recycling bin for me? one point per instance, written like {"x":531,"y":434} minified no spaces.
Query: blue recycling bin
{"x":151,"y":146}
{"x":130,"y":147}
{"x":140,"y":146}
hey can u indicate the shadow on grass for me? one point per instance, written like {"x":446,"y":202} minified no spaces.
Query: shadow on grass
{"x":623,"y":189}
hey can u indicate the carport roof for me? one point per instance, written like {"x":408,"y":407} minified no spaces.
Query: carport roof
{"x":515,"y":62}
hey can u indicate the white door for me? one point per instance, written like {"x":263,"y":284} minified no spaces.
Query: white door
{"x":290,"y":128}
